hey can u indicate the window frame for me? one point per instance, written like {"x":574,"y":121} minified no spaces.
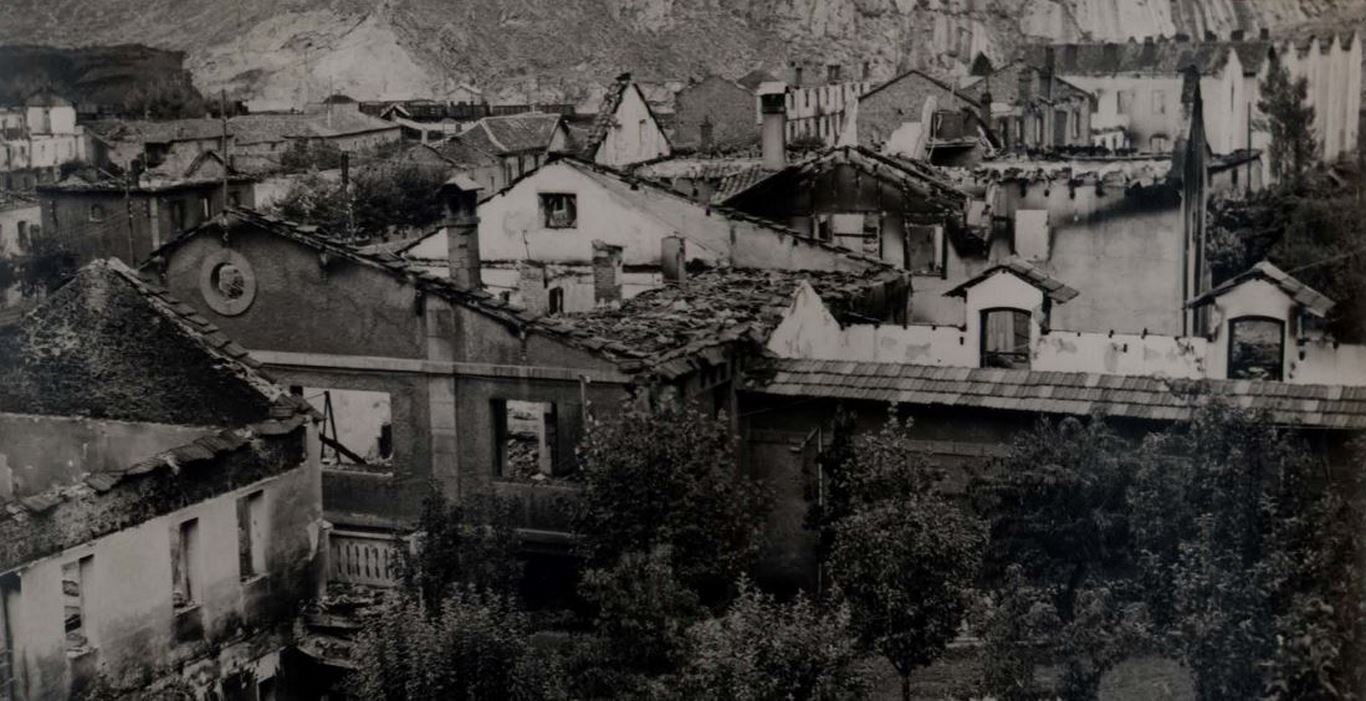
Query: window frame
{"x":983,"y":354}
{"x":95,"y":212}
{"x":184,"y":551}
{"x":544,"y":200}
{"x":1232,"y":342}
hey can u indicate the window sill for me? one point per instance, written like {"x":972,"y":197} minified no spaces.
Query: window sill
{"x":252,"y":579}
{"x":81,"y":652}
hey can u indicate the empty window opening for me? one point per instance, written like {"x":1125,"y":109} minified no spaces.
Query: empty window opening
{"x":556,"y":300}
{"x":1256,"y":348}
{"x":357,"y":426}
{"x":527,"y":439}
{"x":1005,"y":338}
{"x":96,"y":213}
{"x":178,"y":215}
{"x":559,"y":210}
{"x":75,"y":593}
{"x":184,"y":553}
{"x":251,"y":551}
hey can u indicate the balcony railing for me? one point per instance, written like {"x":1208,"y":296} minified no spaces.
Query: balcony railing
{"x":360,"y":557}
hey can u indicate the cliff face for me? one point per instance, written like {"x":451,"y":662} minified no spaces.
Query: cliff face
{"x":294,"y":50}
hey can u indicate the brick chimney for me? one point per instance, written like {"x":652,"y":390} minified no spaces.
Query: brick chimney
{"x":531,"y":284}
{"x":1026,"y":87}
{"x":606,"y":274}
{"x":985,"y":106}
{"x":460,"y":197}
{"x":773,"y":133}
{"x":1050,"y":65}
{"x":706,"y":134}
{"x":673,"y":258}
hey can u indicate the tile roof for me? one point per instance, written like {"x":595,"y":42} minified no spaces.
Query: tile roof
{"x":1161,"y":58}
{"x":464,"y":153}
{"x":1004,"y":84}
{"x":611,"y":334}
{"x":10,"y":200}
{"x":159,"y":132}
{"x":513,"y":133}
{"x":755,"y":78}
{"x":921,"y":178}
{"x":1304,"y":295}
{"x":1030,"y":273}
{"x":1151,"y":398}
{"x":258,"y":128}
{"x":607,"y":115}
{"x":666,"y":328}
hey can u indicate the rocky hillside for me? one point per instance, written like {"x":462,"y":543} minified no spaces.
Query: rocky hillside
{"x":295,"y":50}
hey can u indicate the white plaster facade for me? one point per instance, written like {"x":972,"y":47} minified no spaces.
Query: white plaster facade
{"x":634,"y":136}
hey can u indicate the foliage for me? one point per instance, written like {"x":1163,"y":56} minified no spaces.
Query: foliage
{"x":381,"y":199}
{"x":1246,"y":548}
{"x":903,"y":554}
{"x":1288,"y":117}
{"x":763,"y":649}
{"x":1061,"y":550}
{"x":669,"y":477}
{"x":643,"y":610}
{"x":1312,"y":230}
{"x":475,"y":645}
{"x":643,"y":614}
{"x":305,"y":156}
{"x":472,"y":544}
{"x":167,"y":689}
{"x":171,"y":97}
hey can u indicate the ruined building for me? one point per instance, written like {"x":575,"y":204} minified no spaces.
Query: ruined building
{"x":162,"y":512}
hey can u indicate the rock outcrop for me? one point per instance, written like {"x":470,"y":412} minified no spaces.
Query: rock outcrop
{"x":294,"y":50}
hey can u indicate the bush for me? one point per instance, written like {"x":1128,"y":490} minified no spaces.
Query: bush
{"x":763,"y":649}
{"x":472,"y":544}
{"x":669,"y":477}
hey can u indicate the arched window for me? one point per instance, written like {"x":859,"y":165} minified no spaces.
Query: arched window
{"x":1005,"y":338}
{"x":1256,"y":348}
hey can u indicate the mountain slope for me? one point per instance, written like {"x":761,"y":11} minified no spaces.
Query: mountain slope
{"x":293,"y":50}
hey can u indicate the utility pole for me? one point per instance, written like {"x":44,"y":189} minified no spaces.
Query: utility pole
{"x":346,"y":191}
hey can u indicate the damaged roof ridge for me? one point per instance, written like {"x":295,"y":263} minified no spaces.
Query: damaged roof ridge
{"x":190,"y":324}
{"x":723,"y":210}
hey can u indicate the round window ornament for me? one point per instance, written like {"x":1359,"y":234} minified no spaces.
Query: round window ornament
{"x":227,"y":283}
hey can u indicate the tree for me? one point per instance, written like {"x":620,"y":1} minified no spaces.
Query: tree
{"x":1061,"y":549}
{"x":904,"y":556}
{"x":473,"y":645}
{"x":763,"y":649}
{"x":380,"y":200}
{"x":1288,"y":118}
{"x":1246,"y":542}
{"x":470,"y":544}
{"x":669,"y":477}
{"x":643,"y":614}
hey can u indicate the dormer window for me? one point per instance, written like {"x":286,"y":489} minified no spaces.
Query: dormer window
{"x":1256,"y":348}
{"x":1005,"y":338}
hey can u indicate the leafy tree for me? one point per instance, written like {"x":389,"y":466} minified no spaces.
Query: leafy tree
{"x":379,"y":200}
{"x":305,"y":156}
{"x":1288,"y":117}
{"x":904,"y":555}
{"x":470,"y":544}
{"x":643,"y":615}
{"x":763,"y":649}
{"x":1246,"y":546}
{"x":669,"y":477}
{"x":474,"y":645}
{"x":1061,"y":549}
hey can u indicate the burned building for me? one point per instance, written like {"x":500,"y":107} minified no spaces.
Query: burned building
{"x":162,"y":509}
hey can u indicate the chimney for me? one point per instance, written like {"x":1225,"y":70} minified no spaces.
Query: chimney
{"x":985,"y":106}
{"x":1265,"y":34}
{"x":1237,"y":35}
{"x":606,"y":274}
{"x":531,"y":284}
{"x":673,"y":258}
{"x":706,"y":133}
{"x":1050,"y":64}
{"x":460,"y":196}
{"x":773,"y":134}
{"x":1026,"y":88}
{"x":797,"y":70}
